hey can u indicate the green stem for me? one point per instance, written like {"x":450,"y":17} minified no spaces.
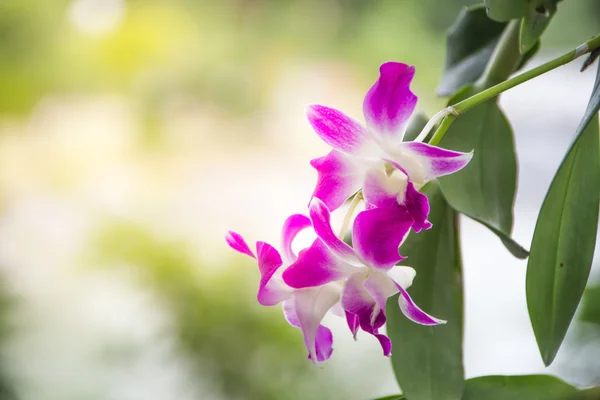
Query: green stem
{"x":355,"y":201}
{"x":494,"y":91}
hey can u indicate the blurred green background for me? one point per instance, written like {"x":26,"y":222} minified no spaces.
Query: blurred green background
{"x":133,"y":134}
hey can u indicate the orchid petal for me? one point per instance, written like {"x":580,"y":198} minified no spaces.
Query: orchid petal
{"x":389,"y":103}
{"x":434,"y":161}
{"x":377,"y":234}
{"x":362,"y":310}
{"x":339,"y":177}
{"x":380,"y":286}
{"x":315,"y":266}
{"x":237,"y":242}
{"x":353,"y":323}
{"x":341,"y":132}
{"x":417,"y":205}
{"x":321,"y":220}
{"x":291,"y":227}
{"x":381,"y":190}
{"x":413,"y":312}
{"x":402,"y":276}
{"x":270,"y":291}
{"x":323,"y":340}
{"x":310,"y":306}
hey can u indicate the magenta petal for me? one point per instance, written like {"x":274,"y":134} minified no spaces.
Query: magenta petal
{"x":385,"y":342}
{"x":436,"y":161}
{"x":269,"y":260}
{"x":323,"y":342}
{"x":237,"y":242}
{"x":353,"y":323}
{"x":310,"y":307}
{"x":356,"y":300}
{"x":340,"y":131}
{"x":377,"y":234}
{"x":339,"y":178}
{"x":321,"y":221}
{"x":389,"y":103}
{"x":380,"y":190}
{"x":413,"y":312}
{"x":417,"y":205}
{"x":292,"y":226}
{"x":315,"y":266}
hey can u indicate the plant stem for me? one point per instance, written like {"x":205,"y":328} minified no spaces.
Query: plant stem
{"x":494,"y":91}
{"x":355,"y":201}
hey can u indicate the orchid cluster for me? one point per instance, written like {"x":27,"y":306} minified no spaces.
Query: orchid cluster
{"x":367,"y":162}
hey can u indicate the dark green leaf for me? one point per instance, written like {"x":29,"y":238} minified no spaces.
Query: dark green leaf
{"x":563,"y":243}
{"x":504,"y":10}
{"x":529,"y":387}
{"x":470,"y":44}
{"x":534,"y":24}
{"x":565,"y":234}
{"x":485,"y":189}
{"x":415,"y":126}
{"x":529,"y":55}
{"x":393,"y":397}
{"x":427,"y":360}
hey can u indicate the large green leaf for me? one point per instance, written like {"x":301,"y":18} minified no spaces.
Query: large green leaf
{"x":485,"y":189}
{"x":504,"y":10}
{"x":565,"y":235}
{"x":427,"y":360}
{"x":470,"y":44}
{"x":526,"y":387}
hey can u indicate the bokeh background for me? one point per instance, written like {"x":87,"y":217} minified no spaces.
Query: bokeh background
{"x":135,"y":133}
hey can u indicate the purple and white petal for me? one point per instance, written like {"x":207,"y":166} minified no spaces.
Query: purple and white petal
{"x":417,"y":205}
{"x":324,"y":338}
{"x":291,"y":227}
{"x":413,"y":312}
{"x":316,"y":266}
{"x":237,"y":242}
{"x":380,"y":286}
{"x":435,"y":161}
{"x":385,"y":342}
{"x":341,"y":132}
{"x":377,"y":234}
{"x":270,"y":291}
{"x":381,"y":190}
{"x":356,"y":300}
{"x":340,"y":176}
{"x":321,"y":221}
{"x":389,"y":103}
{"x":353,"y":323}
{"x":310,"y":307}
{"x":402,"y":276}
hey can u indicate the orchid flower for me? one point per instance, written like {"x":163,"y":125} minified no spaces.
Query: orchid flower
{"x":367,"y":271}
{"x":303,"y":308}
{"x":379,"y":145}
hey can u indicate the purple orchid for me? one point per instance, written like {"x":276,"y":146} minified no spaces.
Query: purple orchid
{"x":359,"y":150}
{"x":303,"y":308}
{"x":368,"y":271}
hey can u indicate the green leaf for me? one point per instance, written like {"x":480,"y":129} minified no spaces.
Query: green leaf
{"x":427,"y":360}
{"x":530,"y":387}
{"x":534,"y":23}
{"x":564,"y":238}
{"x":415,"y":126}
{"x":485,"y":189}
{"x":470,"y":44}
{"x":393,"y":397}
{"x":505,"y":10}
